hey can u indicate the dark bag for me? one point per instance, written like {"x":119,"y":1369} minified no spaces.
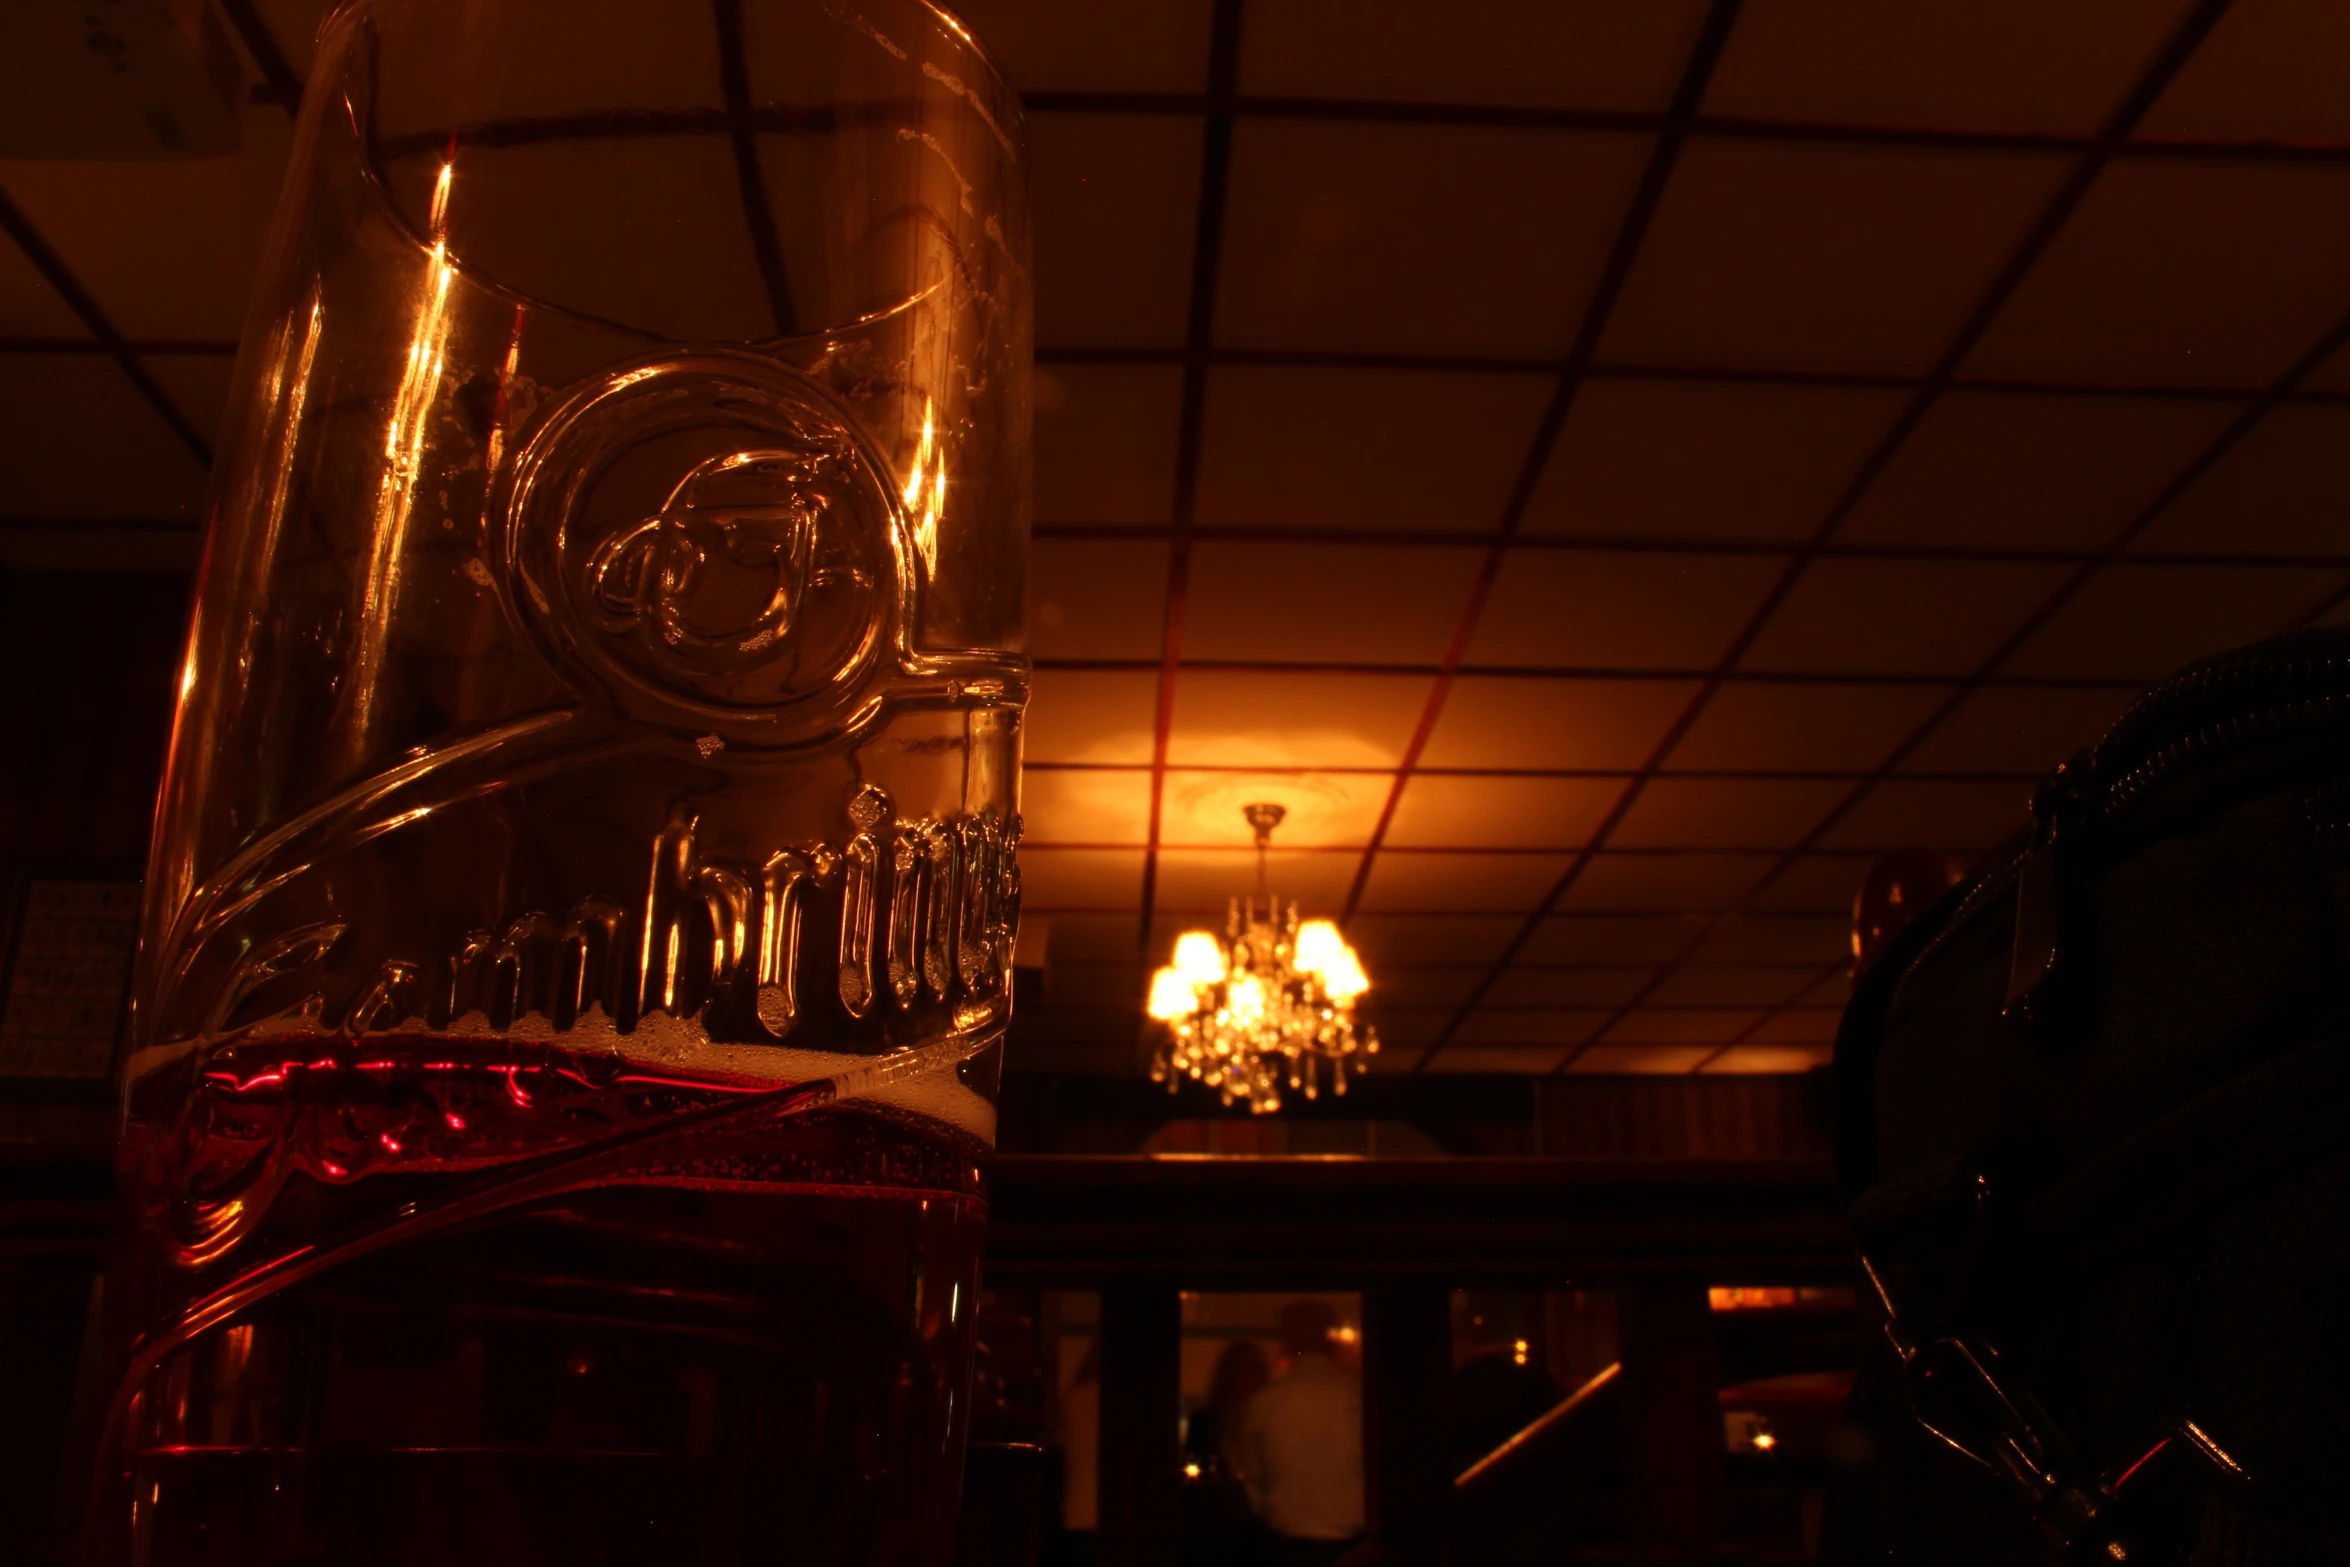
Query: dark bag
{"x":2095,"y":1111}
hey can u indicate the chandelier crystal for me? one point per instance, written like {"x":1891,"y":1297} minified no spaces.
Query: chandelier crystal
{"x":1269,"y":1005}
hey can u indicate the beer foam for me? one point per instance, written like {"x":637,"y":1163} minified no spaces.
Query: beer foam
{"x":680,"y":1045}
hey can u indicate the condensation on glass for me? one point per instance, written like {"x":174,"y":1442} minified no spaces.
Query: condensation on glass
{"x":592,"y":805}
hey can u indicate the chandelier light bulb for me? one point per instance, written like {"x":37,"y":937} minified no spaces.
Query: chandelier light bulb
{"x":1344,"y":979}
{"x":1269,"y":1005}
{"x":1172,"y":995}
{"x":1199,"y":959}
{"x":1318,"y":945}
{"x":1245,"y":999}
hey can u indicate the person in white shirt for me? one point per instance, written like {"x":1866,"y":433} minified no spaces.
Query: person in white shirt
{"x":1301,"y":1447}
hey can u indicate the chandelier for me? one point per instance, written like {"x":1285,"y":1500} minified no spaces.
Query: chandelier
{"x":1269,"y":1004}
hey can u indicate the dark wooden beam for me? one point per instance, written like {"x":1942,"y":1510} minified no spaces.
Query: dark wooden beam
{"x":1306,"y":1223}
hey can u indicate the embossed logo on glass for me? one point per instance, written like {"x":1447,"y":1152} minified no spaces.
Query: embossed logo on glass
{"x":708,"y":540}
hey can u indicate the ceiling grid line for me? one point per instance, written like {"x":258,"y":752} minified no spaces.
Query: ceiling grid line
{"x":734,"y":86}
{"x":78,"y":299}
{"x":279,"y":84}
{"x":1368,"y":770}
{"x":1727,"y":127}
{"x":1696,"y":72}
{"x":2332,"y":342}
{"x":2160,"y":70}
{"x":1199,"y":331}
{"x":1769,"y":1014}
{"x":1676,"y":675}
{"x":1677,"y":545}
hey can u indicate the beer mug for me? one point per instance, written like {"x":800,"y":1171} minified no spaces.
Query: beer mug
{"x":578,"y":937}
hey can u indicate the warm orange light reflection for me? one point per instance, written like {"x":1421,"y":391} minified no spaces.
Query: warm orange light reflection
{"x":926,"y":488}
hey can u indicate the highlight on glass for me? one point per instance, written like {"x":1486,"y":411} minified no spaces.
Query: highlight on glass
{"x":578,"y":947}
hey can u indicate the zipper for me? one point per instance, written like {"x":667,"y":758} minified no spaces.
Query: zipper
{"x":2223,"y":707}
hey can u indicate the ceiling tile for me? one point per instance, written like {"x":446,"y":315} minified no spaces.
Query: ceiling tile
{"x":1568,"y":987}
{"x":1814,"y":884}
{"x":2018,"y":729}
{"x":293,"y":25}
{"x":1430,"y":938}
{"x":1394,"y":1059}
{"x":1324,"y":809}
{"x":1082,"y":879}
{"x":1500,"y":813}
{"x":1086,"y":808}
{"x":1407,"y":1029}
{"x":1088,"y":716}
{"x":2283,"y":487}
{"x":1901,"y":616}
{"x":1105,"y":443}
{"x":1530,"y":1025}
{"x":1492,"y":721}
{"x":1096,"y":598}
{"x":2005,"y":65}
{"x":2142,"y":622}
{"x":29,"y":307}
{"x":1831,"y":990}
{"x":1426,"y":987}
{"x":1759,"y":1059}
{"x":1205,"y":881}
{"x":1326,"y":603}
{"x":1612,"y":938}
{"x":1803,"y":726}
{"x":1638,"y":1060}
{"x":1625,"y":54}
{"x":1226,"y":718}
{"x":1468,"y":883}
{"x":82,"y":442}
{"x":1799,"y":1025}
{"x":1807,"y":256}
{"x":2271,"y":70}
{"x":1598,"y":609}
{"x":632,"y":215}
{"x":1718,"y":985}
{"x":198,"y":386}
{"x":1405,"y":450}
{"x":1689,"y":459}
{"x":167,"y":247}
{"x":1083,"y":46}
{"x":1665,"y":883}
{"x":1682,"y":1026}
{"x":1988,"y":469}
{"x":2180,"y":272}
{"x":1909,"y":813}
{"x":1726,"y":813}
{"x":1114,"y":198}
{"x":1531,"y":1060}
{"x":1777,"y":939}
{"x":1416,"y":238}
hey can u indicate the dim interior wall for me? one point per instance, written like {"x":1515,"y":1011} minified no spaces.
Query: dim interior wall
{"x":1730,"y":1117}
{"x":88,"y":661}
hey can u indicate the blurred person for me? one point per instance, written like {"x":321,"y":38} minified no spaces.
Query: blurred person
{"x":1301,"y":1447}
{"x":1216,"y":1527}
{"x":1211,"y":1439}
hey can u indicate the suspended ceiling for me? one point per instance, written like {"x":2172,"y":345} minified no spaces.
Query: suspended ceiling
{"x":1612,"y":470}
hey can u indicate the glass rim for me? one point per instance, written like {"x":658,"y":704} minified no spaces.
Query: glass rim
{"x":335,"y":90}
